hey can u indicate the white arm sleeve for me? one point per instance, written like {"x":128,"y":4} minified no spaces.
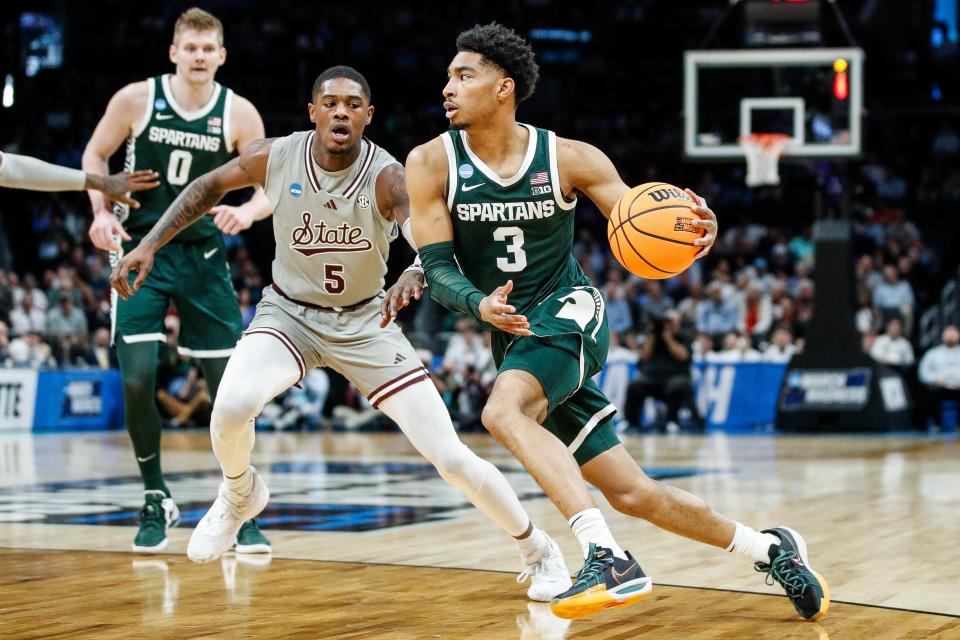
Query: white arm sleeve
{"x":24,"y":172}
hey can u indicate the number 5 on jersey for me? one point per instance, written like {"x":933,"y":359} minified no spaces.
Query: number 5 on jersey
{"x":517,"y":258}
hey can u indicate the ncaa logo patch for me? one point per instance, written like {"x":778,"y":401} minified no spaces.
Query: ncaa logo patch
{"x":465,"y":171}
{"x":296,"y":190}
{"x":363,"y":201}
{"x":160,"y":104}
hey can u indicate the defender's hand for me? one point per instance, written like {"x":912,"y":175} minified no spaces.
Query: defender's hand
{"x":231,"y":220}
{"x":103,"y":228}
{"x":495,"y":310}
{"x":139,"y":260}
{"x":708,"y":222}
{"x":409,"y":285}
{"x":118,"y":185}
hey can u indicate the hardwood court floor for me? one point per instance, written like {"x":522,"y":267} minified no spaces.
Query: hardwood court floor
{"x":369,"y":543}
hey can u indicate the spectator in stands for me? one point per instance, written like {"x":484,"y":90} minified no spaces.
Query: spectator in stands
{"x":66,"y":320}
{"x":940,"y":372}
{"x":665,"y":373}
{"x":616,"y":374}
{"x":6,"y":297}
{"x":892,"y":348}
{"x":702,"y":347}
{"x":893,"y":297}
{"x":781,"y":347}
{"x":689,"y":307}
{"x":26,"y":317}
{"x":866,"y":316}
{"x":465,"y":349}
{"x":247,"y":308}
{"x":619,"y":314}
{"x":29,"y":290}
{"x":31,"y":352}
{"x":4,"y":344}
{"x":755,"y":315}
{"x":654,"y":304}
{"x":716,"y":315}
{"x":736,"y":348}
{"x":102,"y":355}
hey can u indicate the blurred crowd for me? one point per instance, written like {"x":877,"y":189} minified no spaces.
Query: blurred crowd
{"x":751,"y":299}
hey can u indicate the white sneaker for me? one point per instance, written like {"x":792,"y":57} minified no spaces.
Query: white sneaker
{"x":217,"y":530}
{"x":548,"y":575}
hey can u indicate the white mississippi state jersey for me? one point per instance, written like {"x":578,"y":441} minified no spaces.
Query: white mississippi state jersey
{"x":332,"y":242}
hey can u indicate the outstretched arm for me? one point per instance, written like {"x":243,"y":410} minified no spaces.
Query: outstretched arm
{"x":25,"y":172}
{"x":433,"y":232}
{"x":586,"y":169}
{"x":193,"y":203}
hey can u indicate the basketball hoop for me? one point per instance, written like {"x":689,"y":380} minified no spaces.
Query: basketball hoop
{"x":763,"y":151}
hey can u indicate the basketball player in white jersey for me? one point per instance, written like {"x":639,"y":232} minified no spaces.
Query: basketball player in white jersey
{"x":24,"y":172}
{"x":338,"y":201}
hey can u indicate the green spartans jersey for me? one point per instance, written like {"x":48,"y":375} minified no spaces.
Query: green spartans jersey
{"x":180,"y":146}
{"x":518,"y":228}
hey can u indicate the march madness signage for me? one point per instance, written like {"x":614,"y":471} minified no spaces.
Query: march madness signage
{"x":833,"y":389}
{"x":18,"y":394}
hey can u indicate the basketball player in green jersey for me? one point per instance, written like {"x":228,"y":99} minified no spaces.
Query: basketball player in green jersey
{"x":492,"y":204}
{"x":181,"y":125}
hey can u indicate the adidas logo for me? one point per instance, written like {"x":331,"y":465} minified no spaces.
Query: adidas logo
{"x":400,"y":358}
{"x":331,"y":205}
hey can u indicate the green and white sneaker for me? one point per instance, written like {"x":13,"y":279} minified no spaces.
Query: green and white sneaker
{"x":790,"y":567}
{"x":251,"y":540}
{"x":158,"y":513}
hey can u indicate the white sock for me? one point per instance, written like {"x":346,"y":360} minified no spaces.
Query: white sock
{"x":533,"y":546}
{"x":590,"y":526}
{"x":242,"y":484}
{"x":750,"y":544}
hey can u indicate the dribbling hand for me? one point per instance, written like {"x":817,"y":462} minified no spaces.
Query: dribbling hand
{"x":495,"y":310}
{"x":707,"y":222}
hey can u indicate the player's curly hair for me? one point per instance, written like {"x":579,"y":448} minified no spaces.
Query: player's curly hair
{"x":504,"y":49}
{"x":342,"y":71}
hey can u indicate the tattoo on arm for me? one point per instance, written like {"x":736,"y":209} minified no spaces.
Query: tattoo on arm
{"x":398,"y":207}
{"x":192,"y":204}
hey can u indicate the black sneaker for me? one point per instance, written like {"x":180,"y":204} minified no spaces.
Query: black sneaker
{"x":605,"y":581}
{"x":789,"y":565}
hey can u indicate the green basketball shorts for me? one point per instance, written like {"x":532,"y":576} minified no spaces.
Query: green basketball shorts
{"x":569,"y":346}
{"x":196,"y":277}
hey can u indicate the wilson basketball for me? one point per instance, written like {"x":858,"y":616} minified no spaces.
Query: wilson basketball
{"x":651,"y":230}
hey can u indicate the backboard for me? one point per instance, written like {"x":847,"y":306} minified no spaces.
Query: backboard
{"x":813,"y":95}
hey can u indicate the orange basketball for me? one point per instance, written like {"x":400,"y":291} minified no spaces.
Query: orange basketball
{"x":651,"y":232}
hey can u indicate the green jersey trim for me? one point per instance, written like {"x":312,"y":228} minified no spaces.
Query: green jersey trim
{"x":493,"y":175}
{"x":183,"y":113}
{"x":562,"y":202}
{"x":141,"y":126}
{"x":447,"y":138}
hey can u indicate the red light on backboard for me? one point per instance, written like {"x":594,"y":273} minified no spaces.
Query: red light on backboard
{"x":841,"y":88}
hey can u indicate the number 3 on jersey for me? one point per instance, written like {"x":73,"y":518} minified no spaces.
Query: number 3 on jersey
{"x":178,"y":171}
{"x":517,"y":258}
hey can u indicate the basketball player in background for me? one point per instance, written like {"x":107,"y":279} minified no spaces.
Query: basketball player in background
{"x":492,"y":204}
{"x":24,"y":172}
{"x":180,"y":125}
{"x":338,"y":201}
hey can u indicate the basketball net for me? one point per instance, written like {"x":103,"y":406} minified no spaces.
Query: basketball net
{"x":763,"y":151}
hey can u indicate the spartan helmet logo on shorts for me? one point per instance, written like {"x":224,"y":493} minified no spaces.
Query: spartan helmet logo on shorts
{"x":363,"y":201}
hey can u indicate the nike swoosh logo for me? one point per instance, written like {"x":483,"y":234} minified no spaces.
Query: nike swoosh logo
{"x":207,"y":254}
{"x":149,"y":457}
{"x":619,"y":576}
{"x":472,"y":187}
{"x":161,"y":116}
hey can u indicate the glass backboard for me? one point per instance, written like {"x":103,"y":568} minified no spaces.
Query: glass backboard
{"x":815,"y":96}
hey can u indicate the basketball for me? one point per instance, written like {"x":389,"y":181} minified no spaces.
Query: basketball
{"x":651,"y":231}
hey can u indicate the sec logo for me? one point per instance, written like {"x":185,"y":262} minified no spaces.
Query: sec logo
{"x":363,"y":201}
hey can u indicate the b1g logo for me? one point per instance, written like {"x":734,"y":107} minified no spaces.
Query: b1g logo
{"x":541,"y":189}
{"x":685,"y":224}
